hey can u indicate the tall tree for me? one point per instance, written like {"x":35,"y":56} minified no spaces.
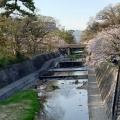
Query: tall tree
{"x":105,"y":45}
{"x":110,"y":13}
{"x":12,"y":6}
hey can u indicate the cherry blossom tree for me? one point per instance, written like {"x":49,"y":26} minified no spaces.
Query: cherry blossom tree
{"x":104,"y":46}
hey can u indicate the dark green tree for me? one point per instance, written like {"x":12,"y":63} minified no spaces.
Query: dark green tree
{"x":12,"y":7}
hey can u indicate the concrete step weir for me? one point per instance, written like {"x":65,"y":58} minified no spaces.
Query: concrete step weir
{"x":70,"y":78}
{"x":67,"y":64}
{"x":63,"y":77}
{"x":68,"y":69}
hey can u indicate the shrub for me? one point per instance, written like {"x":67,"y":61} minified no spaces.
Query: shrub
{"x":4,"y":61}
{"x":9,"y":60}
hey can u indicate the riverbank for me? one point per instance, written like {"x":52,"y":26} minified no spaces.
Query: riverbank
{"x":22,"y":106}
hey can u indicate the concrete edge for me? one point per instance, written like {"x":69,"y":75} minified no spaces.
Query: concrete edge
{"x":95,"y":103}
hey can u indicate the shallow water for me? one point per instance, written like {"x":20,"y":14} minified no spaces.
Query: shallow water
{"x":73,"y":59}
{"x":70,"y":102}
{"x":69,"y":69}
{"x":77,"y":52}
{"x":71,"y":73}
{"x":66,"y":103}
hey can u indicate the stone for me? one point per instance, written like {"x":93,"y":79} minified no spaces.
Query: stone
{"x":76,"y":81}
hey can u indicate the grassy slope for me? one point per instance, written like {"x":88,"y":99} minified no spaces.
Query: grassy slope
{"x":22,"y":106}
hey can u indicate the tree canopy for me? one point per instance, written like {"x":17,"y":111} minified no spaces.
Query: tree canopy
{"x":110,"y":15}
{"x":13,"y":7}
{"x":103,"y":36}
{"x":24,"y":33}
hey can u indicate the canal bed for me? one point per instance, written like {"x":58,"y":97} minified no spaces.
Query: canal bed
{"x":69,"y":102}
{"x":65,"y":95}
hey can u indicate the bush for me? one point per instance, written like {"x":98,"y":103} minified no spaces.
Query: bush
{"x":74,"y":56}
{"x":17,"y":59}
{"x":4,"y":61}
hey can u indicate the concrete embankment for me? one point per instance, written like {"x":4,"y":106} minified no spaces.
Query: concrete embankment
{"x":101,"y":87}
{"x":18,"y":76}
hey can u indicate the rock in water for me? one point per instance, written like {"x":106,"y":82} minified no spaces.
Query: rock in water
{"x":76,"y":81}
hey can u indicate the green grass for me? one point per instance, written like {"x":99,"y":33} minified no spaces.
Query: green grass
{"x":21,"y":106}
{"x":74,"y":56}
{"x":53,"y":87}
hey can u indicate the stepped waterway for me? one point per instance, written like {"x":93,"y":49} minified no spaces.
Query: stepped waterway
{"x":64,"y":92}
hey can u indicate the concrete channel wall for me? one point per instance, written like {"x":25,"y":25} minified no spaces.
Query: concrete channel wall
{"x":18,"y":76}
{"x":106,"y":77}
{"x":15,"y":72}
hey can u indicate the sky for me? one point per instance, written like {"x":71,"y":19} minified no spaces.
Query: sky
{"x":72,"y":14}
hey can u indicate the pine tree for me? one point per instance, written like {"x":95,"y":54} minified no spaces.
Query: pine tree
{"x":12,"y":6}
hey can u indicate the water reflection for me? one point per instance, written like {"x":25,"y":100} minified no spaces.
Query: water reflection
{"x":77,"y":52}
{"x":66,"y":103}
{"x":52,"y":111}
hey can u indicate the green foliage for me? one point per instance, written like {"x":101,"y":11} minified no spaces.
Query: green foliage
{"x":27,"y":35}
{"x":66,"y":35}
{"x":86,"y":35}
{"x":27,"y":99}
{"x":4,"y":61}
{"x":17,"y":59}
{"x":53,"y":87}
{"x":9,"y":60}
{"x":23,"y":36}
{"x":74,"y":56}
{"x":11,"y":6}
